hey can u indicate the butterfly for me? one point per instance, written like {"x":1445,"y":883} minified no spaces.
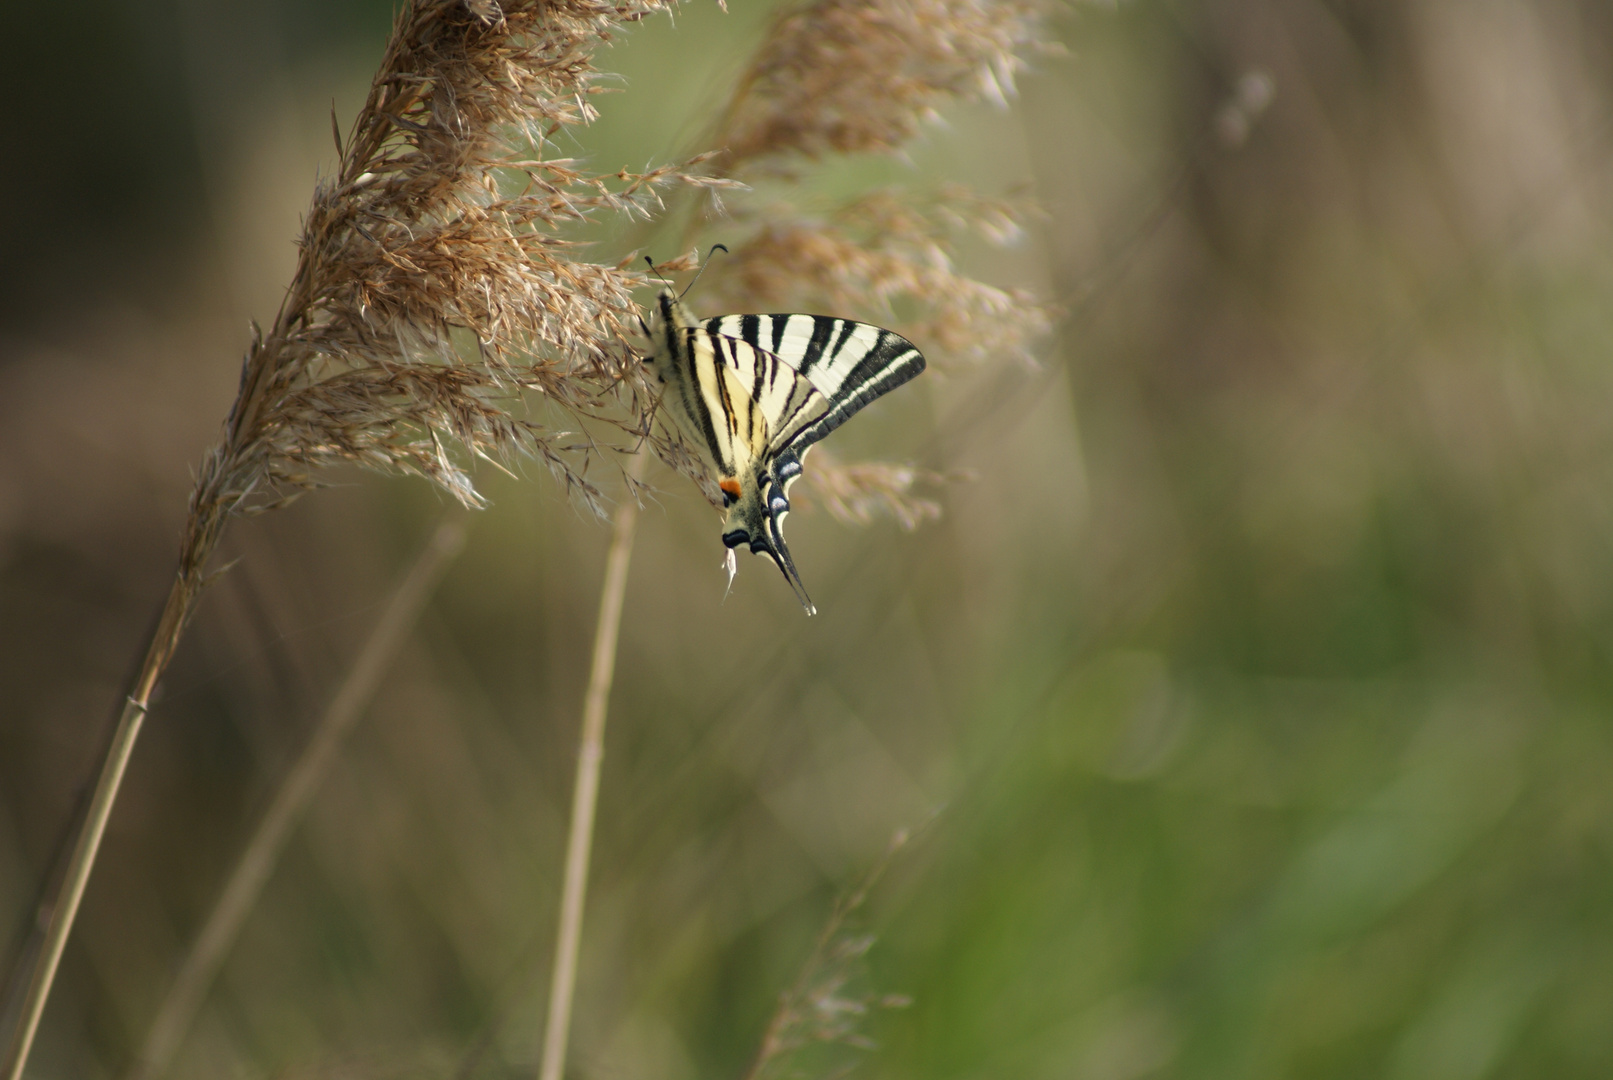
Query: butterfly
{"x":752,"y":393}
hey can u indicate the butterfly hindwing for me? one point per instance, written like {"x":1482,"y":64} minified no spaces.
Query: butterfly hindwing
{"x":754,"y":392}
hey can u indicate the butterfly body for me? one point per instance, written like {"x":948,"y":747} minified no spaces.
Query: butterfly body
{"x":752,"y":393}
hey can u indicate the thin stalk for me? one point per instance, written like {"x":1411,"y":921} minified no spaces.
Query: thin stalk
{"x":797,"y":1021}
{"x":585,"y":796}
{"x":210,"y":505}
{"x":262,"y":852}
{"x":164,"y":639}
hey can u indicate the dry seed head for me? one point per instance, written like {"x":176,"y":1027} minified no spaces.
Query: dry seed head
{"x":436,"y":279}
{"x":887,"y":255}
{"x":856,"y":494}
{"x":852,"y":76}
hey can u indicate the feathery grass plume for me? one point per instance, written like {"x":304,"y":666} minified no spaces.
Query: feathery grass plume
{"x":886,"y":255}
{"x":852,"y":76}
{"x":441,"y":228}
{"x":855,"y":494}
{"x":415,"y":248}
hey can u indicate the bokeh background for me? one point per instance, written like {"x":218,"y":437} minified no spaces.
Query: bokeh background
{"x":1255,"y":689}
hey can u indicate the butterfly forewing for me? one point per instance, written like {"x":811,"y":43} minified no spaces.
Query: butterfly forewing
{"x":849,"y":363}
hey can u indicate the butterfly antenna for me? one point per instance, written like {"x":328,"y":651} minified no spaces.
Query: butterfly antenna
{"x":714,"y":249}
{"x":651,"y":263}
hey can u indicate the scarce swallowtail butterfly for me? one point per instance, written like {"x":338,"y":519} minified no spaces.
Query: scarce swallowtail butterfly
{"x":752,"y":393}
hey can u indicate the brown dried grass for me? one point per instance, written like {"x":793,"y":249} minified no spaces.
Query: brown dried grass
{"x":887,"y":255}
{"x":436,"y":280}
{"x":446,"y":220}
{"x":862,"y":76}
{"x":446,"y":224}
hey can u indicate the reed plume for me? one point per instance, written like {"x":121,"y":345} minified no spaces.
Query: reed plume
{"x":427,"y":293}
{"x":435,"y":283}
{"x":848,"y":76}
{"x":889,"y":248}
{"x":857,"y":493}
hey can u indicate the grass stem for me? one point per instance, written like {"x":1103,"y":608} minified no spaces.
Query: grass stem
{"x":585,"y":796}
{"x":64,"y":910}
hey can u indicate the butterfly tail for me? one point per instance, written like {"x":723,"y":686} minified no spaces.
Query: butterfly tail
{"x":786,"y":565}
{"x":777,"y":506}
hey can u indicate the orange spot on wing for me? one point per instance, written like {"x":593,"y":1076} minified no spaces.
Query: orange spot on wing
{"x":729,"y":484}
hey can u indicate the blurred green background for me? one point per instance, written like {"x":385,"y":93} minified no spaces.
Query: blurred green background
{"x":1260,"y":676}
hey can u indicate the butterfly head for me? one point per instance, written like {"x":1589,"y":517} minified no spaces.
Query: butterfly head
{"x":755,"y":518}
{"x":669,"y":313}
{"x":667,"y":318}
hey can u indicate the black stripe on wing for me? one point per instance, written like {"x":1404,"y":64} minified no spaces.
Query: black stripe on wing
{"x":892,"y":361}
